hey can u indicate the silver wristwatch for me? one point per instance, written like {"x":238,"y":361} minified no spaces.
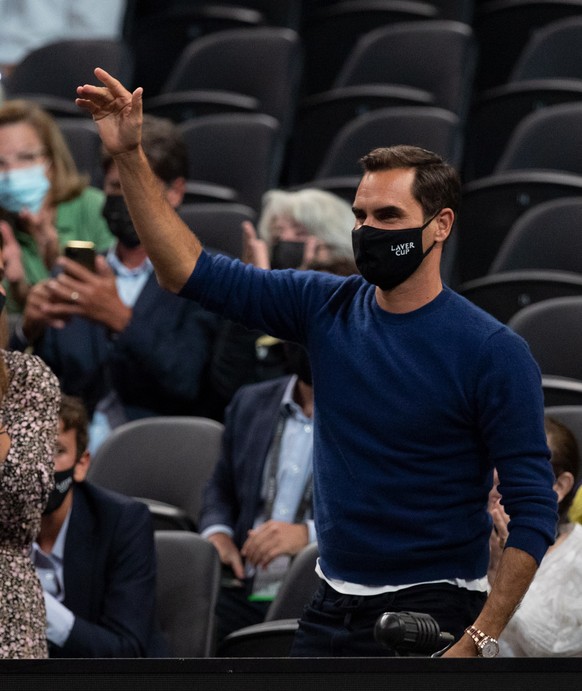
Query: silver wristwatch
{"x":487,"y":646}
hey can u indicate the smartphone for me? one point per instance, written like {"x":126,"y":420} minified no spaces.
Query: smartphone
{"x":82,"y":252}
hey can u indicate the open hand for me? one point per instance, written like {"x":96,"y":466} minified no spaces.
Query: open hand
{"x":116,"y":111}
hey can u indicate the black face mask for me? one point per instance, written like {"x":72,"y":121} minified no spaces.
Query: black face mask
{"x":63,"y":483}
{"x":387,"y":258}
{"x":119,"y":221}
{"x":298,"y":361}
{"x":286,"y":254}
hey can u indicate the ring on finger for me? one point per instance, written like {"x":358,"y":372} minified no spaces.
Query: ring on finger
{"x":74,"y":296}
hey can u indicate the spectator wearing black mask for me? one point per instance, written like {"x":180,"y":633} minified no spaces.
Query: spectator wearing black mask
{"x":95,"y":557}
{"x":257,"y":508}
{"x":308,"y":228}
{"x":112,"y":336}
{"x":297,"y":227}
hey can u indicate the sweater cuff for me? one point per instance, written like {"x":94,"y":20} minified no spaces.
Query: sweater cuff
{"x":530,"y":541}
{"x":188,"y":287}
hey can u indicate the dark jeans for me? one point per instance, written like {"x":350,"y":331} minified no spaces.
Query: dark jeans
{"x":336,"y":625}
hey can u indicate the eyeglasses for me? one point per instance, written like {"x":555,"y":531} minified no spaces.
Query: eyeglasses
{"x":21,"y":160}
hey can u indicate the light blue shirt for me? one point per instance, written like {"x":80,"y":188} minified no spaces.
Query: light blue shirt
{"x":295,"y":463}
{"x":49,"y":568}
{"x":293,"y":471}
{"x":129,"y":283}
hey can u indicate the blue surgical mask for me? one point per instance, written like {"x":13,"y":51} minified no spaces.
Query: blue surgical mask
{"x":24,"y":188}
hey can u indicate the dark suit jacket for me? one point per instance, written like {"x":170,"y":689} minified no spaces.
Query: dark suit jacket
{"x":233,"y":494}
{"x":157,"y":364}
{"x":109,"y":574}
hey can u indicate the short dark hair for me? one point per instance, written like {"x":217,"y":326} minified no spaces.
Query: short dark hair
{"x":436,"y":185}
{"x":74,"y":416}
{"x":565,"y":458}
{"x":164,"y":148}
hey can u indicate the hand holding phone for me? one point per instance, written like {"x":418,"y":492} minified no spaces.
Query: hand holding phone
{"x":82,"y":252}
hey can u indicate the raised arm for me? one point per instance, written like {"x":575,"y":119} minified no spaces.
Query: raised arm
{"x":170,"y":244}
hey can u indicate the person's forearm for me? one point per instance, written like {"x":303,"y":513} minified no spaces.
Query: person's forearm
{"x":515,"y":573}
{"x":170,"y":244}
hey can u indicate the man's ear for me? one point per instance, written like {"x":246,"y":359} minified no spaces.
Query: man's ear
{"x":82,"y":467}
{"x":564,"y":483}
{"x":445,"y":220}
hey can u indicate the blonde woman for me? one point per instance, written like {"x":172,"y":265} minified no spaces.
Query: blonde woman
{"x":49,"y":200}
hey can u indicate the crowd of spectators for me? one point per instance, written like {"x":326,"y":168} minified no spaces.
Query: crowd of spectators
{"x":123,"y":348}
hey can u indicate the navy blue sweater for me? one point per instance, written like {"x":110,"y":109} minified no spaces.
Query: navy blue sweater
{"x":412,"y":412}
